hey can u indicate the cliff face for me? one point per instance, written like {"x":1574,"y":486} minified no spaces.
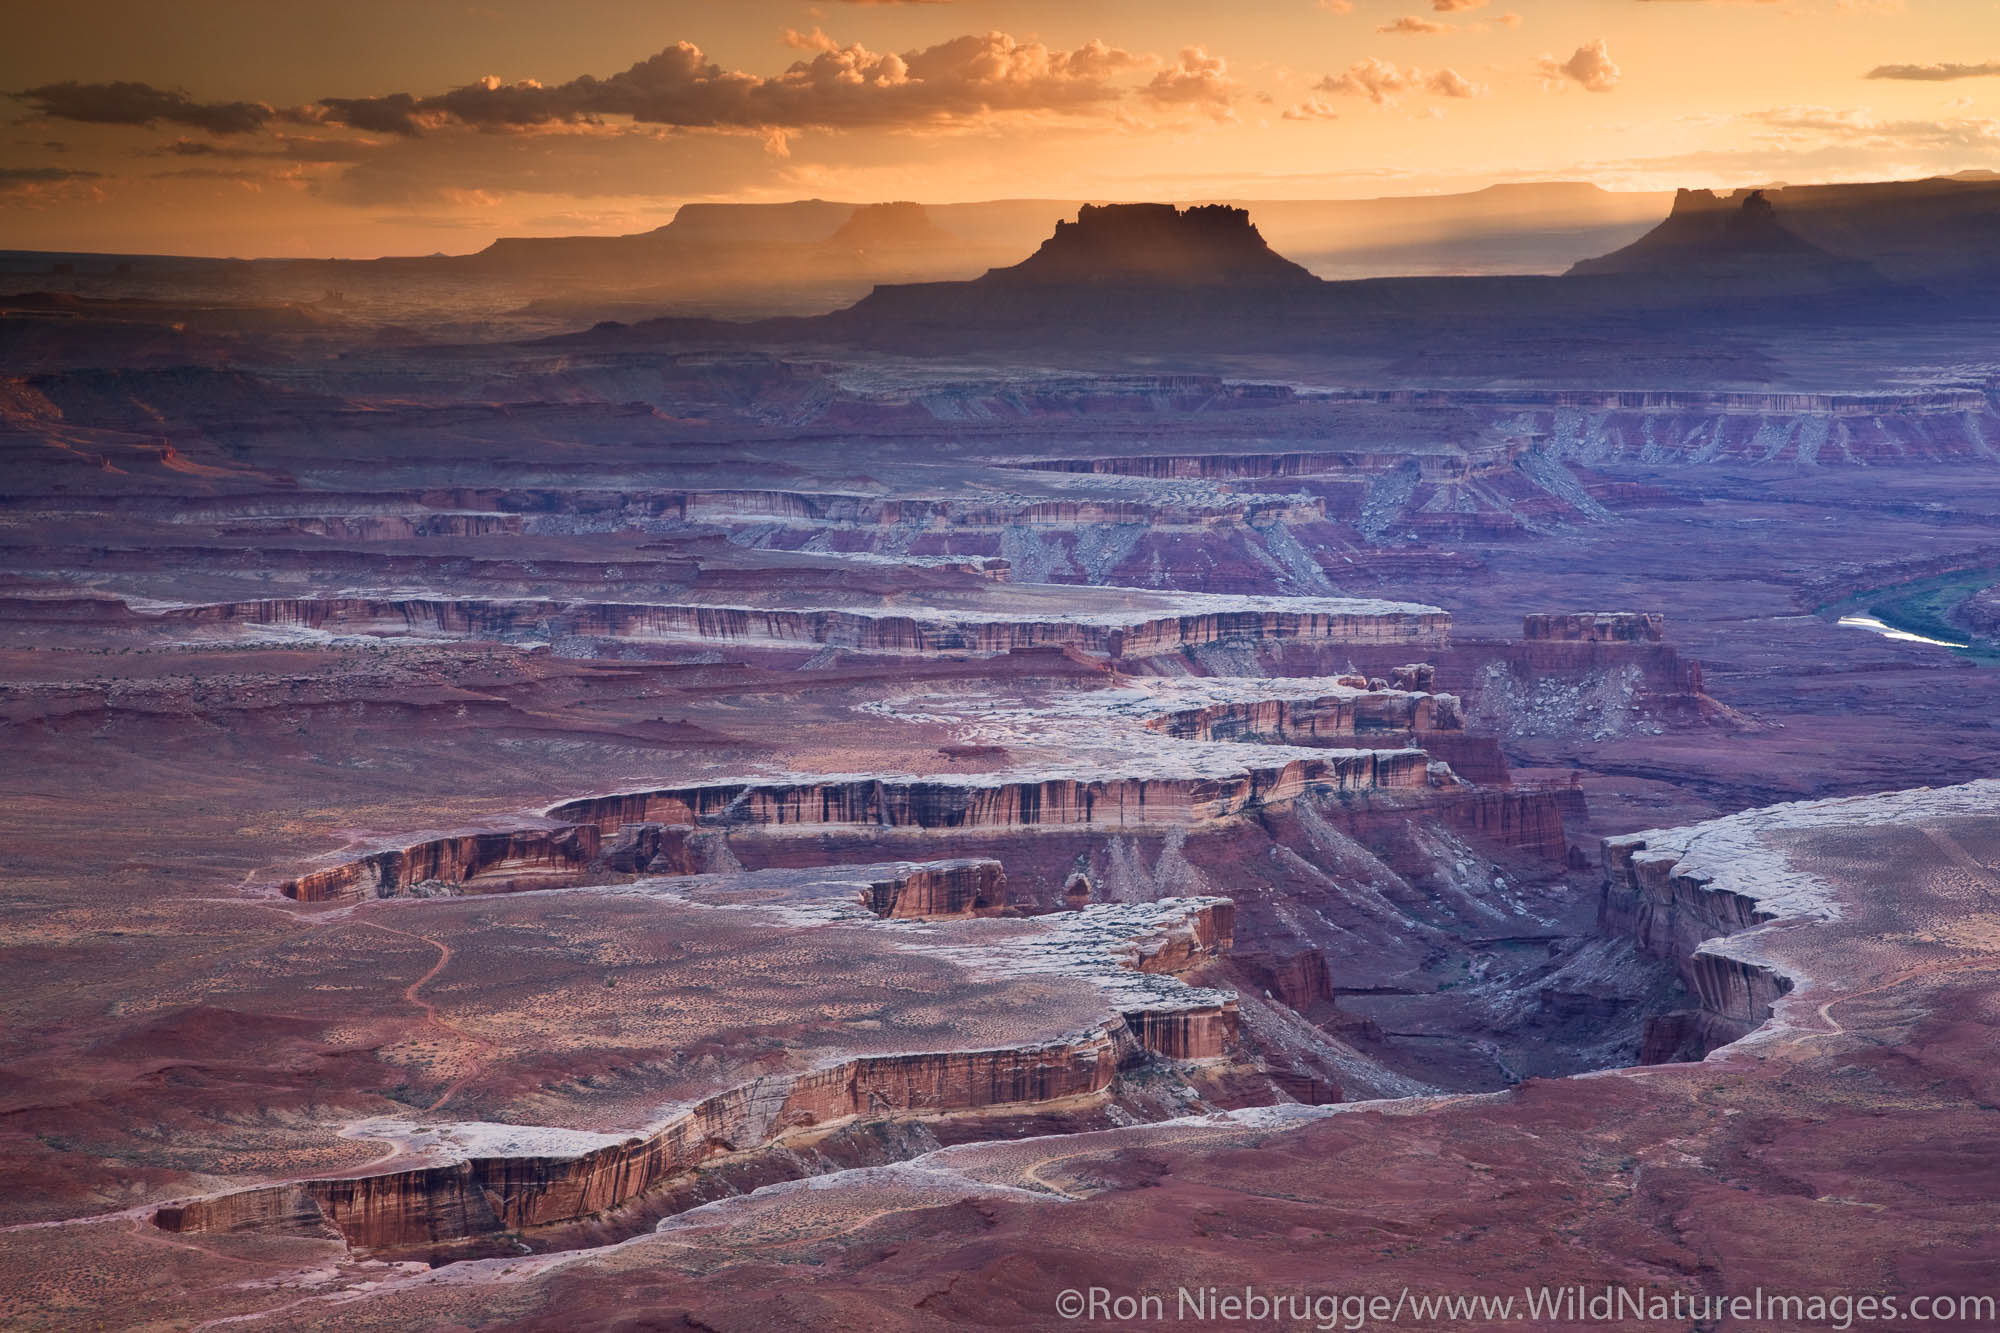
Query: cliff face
{"x":1670,"y":911}
{"x":1131,"y":952}
{"x":948,"y":888}
{"x":1600,"y":627}
{"x":1345,"y":718}
{"x":456,"y":860}
{"x":1109,"y":802}
{"x":1140,"y":635}
{"x":483,"y":1195}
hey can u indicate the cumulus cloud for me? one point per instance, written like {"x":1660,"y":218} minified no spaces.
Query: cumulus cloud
{"x":1591,"y":66}
{"x":1940,"y":73}
{"x":127,"y":103}
{"x":1197,"y":79}
{"x":1383,"y":81}
{"x":1379,"y":80}
{"x":1313,"y":108}
{"x":1411,"y":23}
{"x":1450,"y":83}
{"x":1455,"y":6}
{"x":837,"y":87}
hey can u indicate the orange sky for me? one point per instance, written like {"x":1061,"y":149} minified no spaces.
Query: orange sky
{"x":251,"y":128}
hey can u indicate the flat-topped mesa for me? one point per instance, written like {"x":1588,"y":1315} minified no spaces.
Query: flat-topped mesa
{"x":560,"y":1177}
{"x":939,"y":888}
{"x":1155,"y":245}
{"x":825,"y":509}
{"x":1206,"y":618}
{"x":1595,"y":627}
{"x":1108,"y":800}
{"x":1444,"y":465}
{"x":522,"y":858}
{"x":1349,"y":717}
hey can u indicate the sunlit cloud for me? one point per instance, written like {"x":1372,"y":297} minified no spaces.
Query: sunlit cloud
{"x":1939,"y":73}
{"x":1591,"y":68}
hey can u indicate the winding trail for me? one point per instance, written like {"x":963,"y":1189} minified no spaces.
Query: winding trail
{"x":410,"y":993}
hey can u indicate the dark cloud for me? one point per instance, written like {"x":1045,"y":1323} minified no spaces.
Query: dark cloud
{"x":287,"y":149}
{"x":837,"y":87}
{"x":129,"y":103}
{"x":22,"y":178}
{"x":1939,"y":73}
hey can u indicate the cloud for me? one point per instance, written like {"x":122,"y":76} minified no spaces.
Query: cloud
{"x":1940,"y":73}
{"x":1337,"y":6}
{"x":1591,"y":67}
{"x":1410,"y":23}
{"x":28,"y":178}
{"x":1196,"y":78}
{"x":839,"y":87}
{"x":287,"y":148}
{"x":1450,"y":83}
{"x":1509,"y":20}
{"x":1379,"y":80}
{"x":142,"y":104}
{"x":1313,"y":108}
{"x":1383,"y":81}
{"x":1799,"y":125}
{"x":1455,"y":6}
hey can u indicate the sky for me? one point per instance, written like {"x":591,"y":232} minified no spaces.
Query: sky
{"x":370,"y":127}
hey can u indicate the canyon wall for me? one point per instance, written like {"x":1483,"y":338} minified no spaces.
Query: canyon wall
{"x":453,"y":860}
{"x":941,"y":888}
{"x":1137,"y":635}
{"x":1113,"y":801}
{"x":1669,"y":912}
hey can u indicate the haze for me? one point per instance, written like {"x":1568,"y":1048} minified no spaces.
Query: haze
{"x":231,"y":128}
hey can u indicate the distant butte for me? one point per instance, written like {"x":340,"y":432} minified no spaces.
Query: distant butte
{"x":1207,"y":245}
{"x":1742,"y":238}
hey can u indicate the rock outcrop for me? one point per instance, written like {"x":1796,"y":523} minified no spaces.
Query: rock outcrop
{"x":1102,"y":800}
{"x":524,"y":857}
{"x":1209,"y":245}
{"x":1130,"y":952}
{"x":940,"y":888}
{"x":1212,"y":618}
{"x":1596,"y":627}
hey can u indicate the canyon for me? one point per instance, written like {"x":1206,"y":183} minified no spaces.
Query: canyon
{"x":789,"y":824}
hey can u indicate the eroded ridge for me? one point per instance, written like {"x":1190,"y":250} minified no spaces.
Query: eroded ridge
{"x":548,"y":1177}
{"x":1143,"y":627}
{"x":1697,"y":896}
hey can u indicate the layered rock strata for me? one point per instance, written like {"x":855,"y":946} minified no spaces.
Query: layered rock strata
{"x":1208,"y":619}
{"x":1595,"y":627}
{"x":1110,"y":799}
{"x":1129,"y":952}
{"x":452,"y":860}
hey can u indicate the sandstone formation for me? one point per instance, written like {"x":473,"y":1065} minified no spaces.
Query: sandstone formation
{"x":1112,"y":244}
{"x":434,"y":1206}
{"x":1213,"y":619}
{"x":1602,"y":627}
{"x":942,"y":888}
{"x":547,"y":855}
{"x":1111,"y":800}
